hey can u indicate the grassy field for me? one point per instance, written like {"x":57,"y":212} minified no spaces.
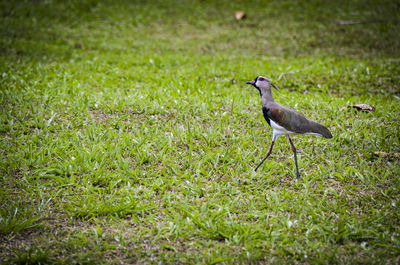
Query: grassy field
{"x":128,"y":134}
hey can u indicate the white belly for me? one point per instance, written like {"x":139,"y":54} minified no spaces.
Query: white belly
{"x":279,"y":130}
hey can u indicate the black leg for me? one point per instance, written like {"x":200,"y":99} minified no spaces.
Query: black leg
{"x":269,"y":152}
{"x":295,"y":157}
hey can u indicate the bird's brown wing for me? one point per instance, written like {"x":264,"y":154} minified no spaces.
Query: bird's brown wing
{"x":293,"y":121}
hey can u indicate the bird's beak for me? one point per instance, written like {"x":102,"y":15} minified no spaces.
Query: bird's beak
{"x":251,"y":82}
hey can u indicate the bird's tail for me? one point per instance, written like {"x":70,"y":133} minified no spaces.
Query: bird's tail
{"x":322,"y":130}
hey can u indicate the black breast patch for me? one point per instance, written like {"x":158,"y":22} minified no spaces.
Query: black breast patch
{"x":265,"y":113}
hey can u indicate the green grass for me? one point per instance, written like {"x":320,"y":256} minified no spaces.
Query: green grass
{"x":128,"y":134}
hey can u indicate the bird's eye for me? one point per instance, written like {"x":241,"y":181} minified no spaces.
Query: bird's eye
{"x":261,"y":79}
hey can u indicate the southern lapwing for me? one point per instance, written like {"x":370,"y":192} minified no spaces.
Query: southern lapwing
{"x":284,"y":120}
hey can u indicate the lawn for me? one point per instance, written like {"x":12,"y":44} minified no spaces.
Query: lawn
{"x":129,"y":136}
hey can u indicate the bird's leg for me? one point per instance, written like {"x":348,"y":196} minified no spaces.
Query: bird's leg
{"x":269,"y":152}
{"x":295,"y":157}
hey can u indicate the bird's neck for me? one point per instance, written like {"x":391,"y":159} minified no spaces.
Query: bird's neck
{"x":266,"y":97}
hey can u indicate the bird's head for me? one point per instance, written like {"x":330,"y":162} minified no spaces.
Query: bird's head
{"x":262,"y":84}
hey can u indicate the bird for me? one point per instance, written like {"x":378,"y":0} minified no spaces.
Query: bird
{"x":284,"y":120}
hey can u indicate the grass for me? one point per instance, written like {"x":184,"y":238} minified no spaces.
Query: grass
{"x":129,"y":136}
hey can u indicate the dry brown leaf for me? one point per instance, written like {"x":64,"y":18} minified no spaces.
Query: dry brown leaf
{"x":384,"y":154}
{"x":360,"y":107}
{"x":239,"y":15}
{"x":364,"y":107}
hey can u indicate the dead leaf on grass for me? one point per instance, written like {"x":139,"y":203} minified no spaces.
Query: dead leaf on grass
{"x":360,"y":107}
{"x":384,"y":154}
{"x":239,"y":15}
